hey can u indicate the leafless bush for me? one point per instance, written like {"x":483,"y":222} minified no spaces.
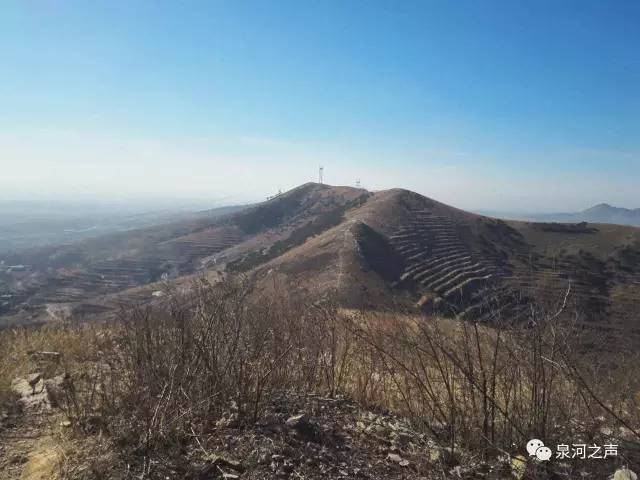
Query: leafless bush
{"x":490,"y":387}
{"x":163,"y":377}
{"x":205,"y":357}
{"x":7,"y":398}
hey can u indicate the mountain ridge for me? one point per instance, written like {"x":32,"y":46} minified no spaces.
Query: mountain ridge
{"x":387,"y":250}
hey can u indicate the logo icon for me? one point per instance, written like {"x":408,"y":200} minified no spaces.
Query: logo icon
{"x":536,"y":448}
{"x":543,"y":454}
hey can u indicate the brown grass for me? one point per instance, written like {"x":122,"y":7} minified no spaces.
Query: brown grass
{"x":160,"y":379}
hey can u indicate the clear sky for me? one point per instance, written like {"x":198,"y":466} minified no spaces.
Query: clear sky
{"x":510,"y":105}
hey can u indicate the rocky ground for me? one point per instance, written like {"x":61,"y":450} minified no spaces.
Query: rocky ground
{"x":299,"y":437}
{"x":29,"y":441}
{"x":315,"y":437}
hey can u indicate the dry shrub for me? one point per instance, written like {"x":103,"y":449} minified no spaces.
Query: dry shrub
{"x":490,"y":387}
{"x":203,"y":357}
{"x":19,"y":352}
{"x":6,"y":374}
{"x":161,"y":378}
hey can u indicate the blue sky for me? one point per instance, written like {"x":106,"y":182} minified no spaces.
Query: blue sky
{"x":508,"y":105}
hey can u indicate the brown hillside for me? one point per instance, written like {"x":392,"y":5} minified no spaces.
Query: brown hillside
{"x":401,"y":250}
{"x":391,"y":250}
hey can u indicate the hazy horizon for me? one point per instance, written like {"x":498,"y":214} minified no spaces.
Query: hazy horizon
{"x":38,"y":204}
{"x":485,"y":106}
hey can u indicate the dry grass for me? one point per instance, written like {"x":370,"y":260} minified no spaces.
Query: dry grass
{"x":6,"y":373}
{"x":19,"y":349}
{"x":159,"y":380}
{"x":488,"y":388}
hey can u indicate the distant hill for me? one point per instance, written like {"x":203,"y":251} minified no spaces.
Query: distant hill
{"x":605,"y":213}
{"x":601,"y":213}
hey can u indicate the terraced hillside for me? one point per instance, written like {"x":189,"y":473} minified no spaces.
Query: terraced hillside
{"x":400,"y":250}
{"x":76,"y":274}
{"x":444,"y":270}
{"x":393,"y":250}
{"x":597,"y":267}
{"x":498,"y":277}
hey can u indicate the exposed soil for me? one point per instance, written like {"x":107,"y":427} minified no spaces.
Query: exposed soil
{"x":28,"y":446}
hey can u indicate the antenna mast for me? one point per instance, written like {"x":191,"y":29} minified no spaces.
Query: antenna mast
{"x":320,"y":174}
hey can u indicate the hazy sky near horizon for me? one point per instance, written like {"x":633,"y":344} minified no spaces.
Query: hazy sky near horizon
{"x":504,"y":105}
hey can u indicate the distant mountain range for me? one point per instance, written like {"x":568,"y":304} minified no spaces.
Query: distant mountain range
{"x":601,"y":213}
